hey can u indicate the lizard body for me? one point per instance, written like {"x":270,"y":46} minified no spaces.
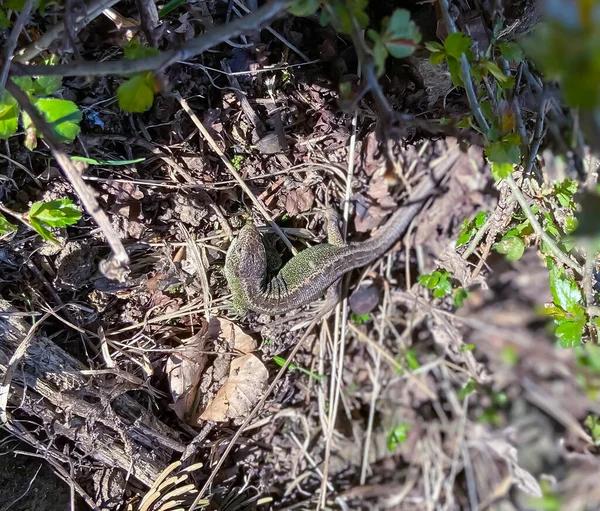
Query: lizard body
{"x":309,"y":274}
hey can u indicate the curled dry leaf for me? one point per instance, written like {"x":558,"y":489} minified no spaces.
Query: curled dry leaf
{"x":246,"y":383}
{"x":184,"y":369}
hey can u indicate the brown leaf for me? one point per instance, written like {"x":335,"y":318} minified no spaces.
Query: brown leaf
{"x":236,"y":338}
{"x":299,"y":200}
{"x":246,"y":383}
{"x":368,"y":216}
{"x":184,"y":369}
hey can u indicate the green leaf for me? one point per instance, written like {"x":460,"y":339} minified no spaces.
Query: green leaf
{"x":464,"y":237}
{"x":565,"y":291}
{"x":443,"y":288}
{"x":43,"y":231}
{"x":46,"y":85}
{"x":135,"y":50}
{"x":4,"y":21}
{"x":397,"y":436}
{"x":360,"y":319}
{"x":509,"y":356}
{"x":593,"y":424}
{"x":9,"y":116}
{"x":380,"y":54}
{"x":411,"y":360}
{"x":467,"y":389}
{"x":437,"y":58}
{"x":456,"y":44}
{"x":170,"y":6}
{"x":513,"y":248}
{"x":501,"y":170}
{"x":6,"y":226}
{"x":62,"y":115}
{"x":505,"y":150}
{"x":571,"y":224}
{"x":569,"y":332}
{"x":455,"y":72}
{"x":499,"y":75}
{"x":25,"y":83}
{"x":401,"y":36}
{"x":460,"y":295}
{"x":434,"y":46}
{"x":429,"y":280}
{"x":14,"y":5}
{"x":304,"y":7}
{"x":511,"y":52}
{"x":137,"y":94}
{"x":112,"y":163}
{"x":56,"y":213}
{"x":480,"y":219}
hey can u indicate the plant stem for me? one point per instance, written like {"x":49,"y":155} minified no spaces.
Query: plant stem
{"x":558,"y":253}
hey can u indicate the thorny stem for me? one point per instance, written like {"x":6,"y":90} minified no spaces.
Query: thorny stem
{"x":558,"y":253}
{"x":116,"y":265}
{"x":193,"y":47}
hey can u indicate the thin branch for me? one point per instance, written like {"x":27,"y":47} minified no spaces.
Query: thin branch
{"x":115,"y":267}
{"x":466,"y":72}
{"x":558,"y":253}
{"x":534,"y":147}
{"x":95,"y":8}
{"x":193,"y":47}
{"x":11,"y":44}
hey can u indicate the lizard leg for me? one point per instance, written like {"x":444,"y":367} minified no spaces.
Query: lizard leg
{"x":334,"y":234}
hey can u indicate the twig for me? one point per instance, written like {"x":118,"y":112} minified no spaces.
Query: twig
{"x":276,"y":34}
{"x":95,"y":8}
{"x":233,"y":171}
{"x":193,"y":47}
{"x":115,"y":267}
{"x":558,"y":253}
{"x":11,"y":44}
{"x":466,"y":72}
{"x":534,"y":147}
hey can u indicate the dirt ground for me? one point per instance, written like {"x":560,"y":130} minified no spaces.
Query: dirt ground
{"x":402,"y":399}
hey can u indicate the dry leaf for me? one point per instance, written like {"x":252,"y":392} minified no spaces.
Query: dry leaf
{"x":368,"y":216}
{"x":246,"y":383}
{"x":236,"y":338}
{"x":299,"y":200}
{"x":184,"y":369}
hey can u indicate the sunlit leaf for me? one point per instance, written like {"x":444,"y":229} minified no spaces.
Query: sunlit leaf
{"x":5,"y":225}
{"x":9,"y":116}
{"x":137,"y":94}
{"x":56,"y":213}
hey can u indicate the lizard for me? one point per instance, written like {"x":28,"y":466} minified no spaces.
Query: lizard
{"x":315,"y":270}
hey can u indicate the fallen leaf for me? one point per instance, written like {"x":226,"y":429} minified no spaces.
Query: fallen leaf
{"x":299,"y":200}
{"x":236,"y":338}
{"x":246,"y":383}
{"x":368,"y":216}
{"x":184,"y":369}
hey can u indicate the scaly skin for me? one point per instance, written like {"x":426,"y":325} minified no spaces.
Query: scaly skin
{"x":308,"y":275}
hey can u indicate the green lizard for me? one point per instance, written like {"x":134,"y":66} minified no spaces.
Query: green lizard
{"x":313,"y":271}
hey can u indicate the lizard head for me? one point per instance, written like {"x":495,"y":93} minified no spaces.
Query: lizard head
{"x":246,"y":264}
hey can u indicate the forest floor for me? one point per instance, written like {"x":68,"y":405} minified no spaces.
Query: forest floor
{"x":400,"y":400}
